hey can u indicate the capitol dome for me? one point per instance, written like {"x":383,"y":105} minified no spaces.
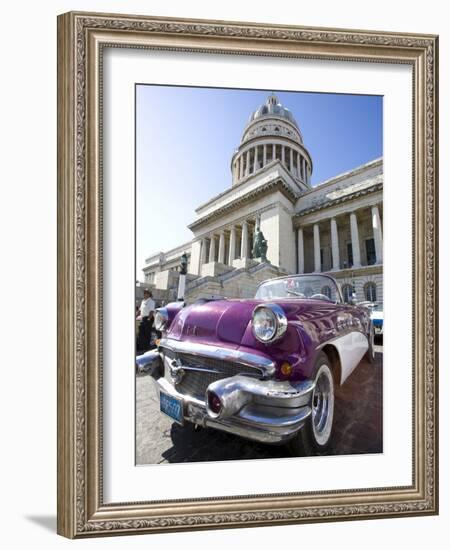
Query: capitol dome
{"x":272,"y":134}
{"x":272,"y":106}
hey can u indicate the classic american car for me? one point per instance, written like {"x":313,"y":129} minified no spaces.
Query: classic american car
{"x":377,"y":319}
{"x":376,"y":314}
{"x":263,"y":368}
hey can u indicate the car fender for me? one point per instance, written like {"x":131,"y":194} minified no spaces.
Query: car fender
{"x":350,"y":348}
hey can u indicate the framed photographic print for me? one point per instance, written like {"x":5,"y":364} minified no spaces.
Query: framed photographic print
{"x":247,"y":285}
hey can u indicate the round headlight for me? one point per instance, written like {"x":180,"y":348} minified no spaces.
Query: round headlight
{"x":161,"y":319}
{"x":269,"y":322}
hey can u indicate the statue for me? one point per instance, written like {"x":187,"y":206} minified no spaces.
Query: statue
{"x":260,"y":246}
{"x":183,"y":264}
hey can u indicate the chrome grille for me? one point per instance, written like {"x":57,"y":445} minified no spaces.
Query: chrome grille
{"x":195,"y":383}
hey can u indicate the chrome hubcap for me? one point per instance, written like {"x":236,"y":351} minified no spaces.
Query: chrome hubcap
{"x":323,"y":405}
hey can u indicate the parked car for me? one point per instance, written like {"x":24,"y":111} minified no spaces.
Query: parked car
{"x":141,"y":361}
{"x":263,"y":368}
{"x":377,"y":317}
{"x":376,"y":314}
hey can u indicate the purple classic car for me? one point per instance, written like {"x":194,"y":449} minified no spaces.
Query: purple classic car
{"x":263,"y":368}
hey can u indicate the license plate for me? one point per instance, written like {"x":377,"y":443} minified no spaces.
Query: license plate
{"x":171,"y":406}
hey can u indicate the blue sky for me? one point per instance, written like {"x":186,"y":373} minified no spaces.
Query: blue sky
{"x":185,"y":138}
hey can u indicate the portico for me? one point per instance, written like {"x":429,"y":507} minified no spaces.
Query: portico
{"x":340,"y":240}
{"x":230,"y":247}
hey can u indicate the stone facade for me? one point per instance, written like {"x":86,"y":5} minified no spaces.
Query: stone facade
{"x":334,"y":227}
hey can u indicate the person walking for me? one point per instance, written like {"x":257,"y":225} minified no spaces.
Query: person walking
{"x":147,"y":309}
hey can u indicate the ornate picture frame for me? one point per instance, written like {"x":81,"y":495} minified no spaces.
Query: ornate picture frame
{"x":82,"y":38}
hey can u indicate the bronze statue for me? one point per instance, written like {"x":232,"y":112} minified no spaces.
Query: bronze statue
{"x":260,"y":246}
{"x":183,"y":264}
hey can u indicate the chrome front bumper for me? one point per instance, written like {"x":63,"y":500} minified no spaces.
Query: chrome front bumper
{"x":268,"y":411}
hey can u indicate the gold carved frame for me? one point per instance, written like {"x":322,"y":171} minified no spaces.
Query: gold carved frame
{"x":81,"y":38}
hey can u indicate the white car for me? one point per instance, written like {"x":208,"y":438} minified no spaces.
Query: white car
{"x":377,"y":317}
{"x":376,"y":314}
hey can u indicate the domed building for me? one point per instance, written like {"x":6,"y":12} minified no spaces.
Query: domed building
{"x":334,"y":227}
{"x":272,"y":133}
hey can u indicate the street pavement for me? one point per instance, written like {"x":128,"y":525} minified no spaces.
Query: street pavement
{"x":358,"y":425}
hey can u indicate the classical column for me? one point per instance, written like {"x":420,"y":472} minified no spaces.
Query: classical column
{"x":255,"y":159}
{"x":355,"y":240}
{"x":283,"y":155}
{"x":274,"y":151}
{"x":241,"y":167}
{"x":335,"y":244}
{"x":203,"y":258}
{"x":299,"y":173}
{"x":264,"y":154}
{"x":244,"y":241}
{"x":212,"y":248}
{"x":301,"y":251}
{"x":377,"y":234}
{"x":221,"y":258}
{"x":247,"y":167}
{"x":317,"y":266}
{"x":291,"y":159}
{"x":232,"y":251}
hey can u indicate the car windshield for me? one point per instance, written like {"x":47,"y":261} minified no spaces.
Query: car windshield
{"x":310,"y":287}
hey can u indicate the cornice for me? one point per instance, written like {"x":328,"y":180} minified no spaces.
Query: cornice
{"x":269,"y":187}
{"x":259,"y":173}
{"x":340,"y":200}
{"x":345,"y":175}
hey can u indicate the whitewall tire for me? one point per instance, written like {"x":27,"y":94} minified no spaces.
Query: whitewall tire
{"x":316,"y":435}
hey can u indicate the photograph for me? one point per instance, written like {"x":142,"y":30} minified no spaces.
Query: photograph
{"x":259,"y":274}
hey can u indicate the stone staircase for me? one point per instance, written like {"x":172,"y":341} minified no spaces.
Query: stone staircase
{"x":235,"y":283}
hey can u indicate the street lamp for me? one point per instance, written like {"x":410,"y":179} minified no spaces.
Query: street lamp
{"x":352,"y":280}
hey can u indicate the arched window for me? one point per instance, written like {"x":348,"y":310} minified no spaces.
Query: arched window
{"x":370,"y":292}
{"x":347,"y":292}
{"x":326,"y":290}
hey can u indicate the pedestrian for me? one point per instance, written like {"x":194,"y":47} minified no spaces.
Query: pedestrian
{"x":145,"y":328}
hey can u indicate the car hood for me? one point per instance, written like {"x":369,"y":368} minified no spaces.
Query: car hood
{"x":223,"y":320}
{"x":229,"y":320}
